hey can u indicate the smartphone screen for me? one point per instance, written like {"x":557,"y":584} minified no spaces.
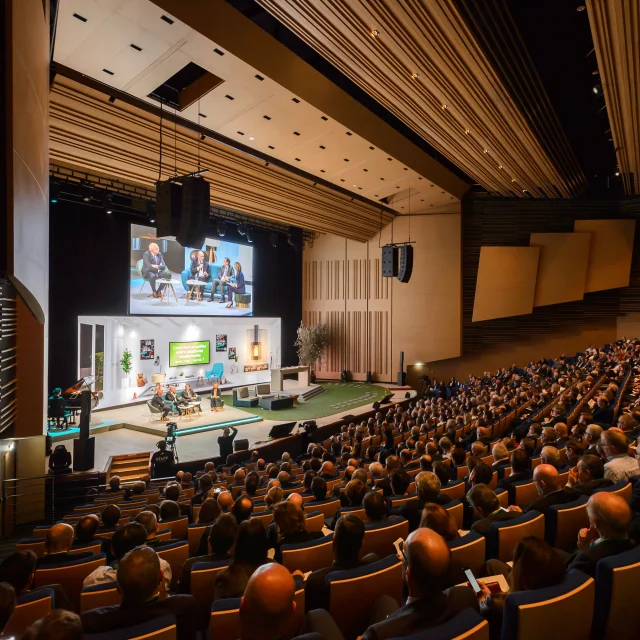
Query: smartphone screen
{"x":472,"y":581}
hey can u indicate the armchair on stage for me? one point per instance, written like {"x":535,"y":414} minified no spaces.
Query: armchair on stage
{"x":217,"y":371}
{"x":241,"y":398}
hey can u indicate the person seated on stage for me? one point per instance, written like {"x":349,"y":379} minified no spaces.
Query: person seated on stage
{"x":216,"y":401}
{"x":60,"y":460}
{"x":154,"y":268}
{"x":56,"y":410}
{"x":225,"y":273}
{"x":162,"y":462}
{"x":238,"y":286}
{"x":189,"y":394}
{"x":172,"y":396}
{"x":200,"y":272}
{"x":158,"y":402}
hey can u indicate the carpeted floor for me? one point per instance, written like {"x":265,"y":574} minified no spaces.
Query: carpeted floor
{"x":339,"y":397}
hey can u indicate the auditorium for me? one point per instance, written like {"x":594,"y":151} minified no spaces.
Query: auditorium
{"x":333,"y":306}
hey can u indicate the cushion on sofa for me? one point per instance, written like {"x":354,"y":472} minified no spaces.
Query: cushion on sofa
{"x":243,"y":392}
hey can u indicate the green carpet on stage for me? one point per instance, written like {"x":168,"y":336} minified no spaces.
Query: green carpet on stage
{"x":339,"y":397}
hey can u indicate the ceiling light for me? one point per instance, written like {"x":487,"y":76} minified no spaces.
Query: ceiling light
{"x":580,"y":7}
{"x":152,"y":220}
{"x":86,"y":192}
{"x":251,"y":138}
{"x":415,"y":75}
{"x":221,"y":228}
{"x":513,"y":179}
{"x":499,"y":166}
{"x":248,"y":234}
{"x":374,"y":33}
{"x":486,"y":151}
{"x":596,"y":89}
{"x":444,"y":106}
{"x":107,"y":202}
{"x":467,"y":131}
{"x":524,"y":191}
{"x":355,"y":185}
{"x":241,"y":229}
{"x":617,"y":173}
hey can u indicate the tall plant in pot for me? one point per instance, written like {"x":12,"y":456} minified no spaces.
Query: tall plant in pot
{"x":126,"y":364}
{"x":312,"y":344}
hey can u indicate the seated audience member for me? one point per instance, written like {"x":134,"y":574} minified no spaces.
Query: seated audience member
{"x":239,"y":477}
{"x":391,"y":463}
{"x":307,"y":480}
{"x":500,"y":455}
{"x":57,"y":545}
{"x":550,"y":490}
{"x":220,"y":540}
{"x":443,"y":471}
{"x":592,"y":438}
{"x":19,"y":569}
{"x":536,"y":565}
{"x":438,"y":519}
{"x":205,"y":483}
{"x":225,"y":501}
{"x":603,"y":414}
{"x":60,"y":624}
{"x":480,"y":474}
{"x":400,"y":481}
{"x":607,"y":535}
{"x":425,"y":566}
{"x":138,"y":578}
{"x":562,"y":434}
{"x":487,"y":508}
{"x":328,"y":471}
{"x":375,"y":507}
{"x":187,"y":481}
{"x":172,"y":494}
{"x":519,"y":470}
{"x":318,"y":489}
{"x":550,"y":455}
{"x":252,"y":483}
{"x":575,"y":450}
{"x":290,"y":522}
{"x":150,"y":523}
{"x":267,"y":604}
{"x":274,"y":495}
{"x":249,"y":553}
{"x":242,"y":509}
{"x":110,"y":517}
{"x":347,"y":543}
{"x":169,"y":510}
{"x":296,"y":499}
{"x":428,"y":490}
{"x":587,"y":476}
{"x":7,"y":604}
{"x":129,"y":537}
{"x":620,"y":465}
{"x":209,"y":512}
{"x":114,"y":485}
{"x":86,"y":529}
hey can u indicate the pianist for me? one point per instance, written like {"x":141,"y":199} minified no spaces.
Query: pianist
{"x":56,"y":408}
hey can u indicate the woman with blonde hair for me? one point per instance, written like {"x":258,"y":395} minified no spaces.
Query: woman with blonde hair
{"x":238,"y":286}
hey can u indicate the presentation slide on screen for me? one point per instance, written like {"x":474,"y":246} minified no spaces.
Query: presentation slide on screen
{"x":182,"y":354}
{"x":215,"y":279}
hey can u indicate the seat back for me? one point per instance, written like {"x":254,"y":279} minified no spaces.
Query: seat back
{"x":352,"y":592}
{"x":203,"y":575}
{"x":456,"y":509}
{"x":176,"y":555}
{"x":503,"y":497}
{"x":525,"y":492}
{"x":308,"y":556}
{"x":314,"y":521}
{"x":194,"y":533}
{"x":70,"y":575}
{"x":264,"y":518}
{"x":466,"y":625}
{"x":225,"y":619}
{"x":95,"y":547}
{"x":99,"y":595}
{"x":526,"y":613}
{"x":615,"y":616}
{"x":454,"y":491}
{"x":328,"y":508}
{"x":179,"y":527}
{"x":163,"y":628}
{"x":563,"y":521}
{"x":622,"y":489}
{"x":380,"y":536}
{"x":503,"y":537}
{"x":468,"y":551}
{"x":37,"y":545}
{"x":29,"y":608}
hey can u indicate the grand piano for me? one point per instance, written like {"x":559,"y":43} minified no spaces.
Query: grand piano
{"x":72,"y":394}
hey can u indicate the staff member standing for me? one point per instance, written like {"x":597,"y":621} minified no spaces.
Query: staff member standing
{"x":225,"y":442}
{"x":153,"y":267}
{"x":162,"y":462}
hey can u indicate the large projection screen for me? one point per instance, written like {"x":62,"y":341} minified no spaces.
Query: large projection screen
{"x":506,"y":282}
{"x":610,"y":252}
{"x":562,"y":267}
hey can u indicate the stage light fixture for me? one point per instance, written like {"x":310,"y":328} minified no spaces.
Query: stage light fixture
{"x":87,"y":192}
{"x":54,"y":192}
{"x":249,"y":234}
{"x":596,"y":89}
{"x":241,"y":229}
{"x":221,"y":228}
{"x":107,"y":202}
{"x":273,"y":238}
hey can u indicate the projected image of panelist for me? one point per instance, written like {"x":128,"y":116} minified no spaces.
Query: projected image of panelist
{"x":200,"y":272}
{"x":153,"y":267}
{"x":237,"y":287}
{"x":225,"y":273}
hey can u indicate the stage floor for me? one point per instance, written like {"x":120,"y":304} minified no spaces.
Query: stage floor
{"x":128,"y":430}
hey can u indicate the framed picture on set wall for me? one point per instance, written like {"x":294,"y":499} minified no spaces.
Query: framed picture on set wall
{"x":147,"y":350}
{"x":221,"y":342}
{"x":232,"y":353}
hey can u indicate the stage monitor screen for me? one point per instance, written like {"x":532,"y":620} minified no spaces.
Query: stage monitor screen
{"x":182,"y":354}
{"x":166,"y":278}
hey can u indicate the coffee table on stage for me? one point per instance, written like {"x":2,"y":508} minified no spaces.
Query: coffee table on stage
{"x":168,"y":289}
{"x":195,"y":285}
{"x":187,"y":410}
{"x":273,"y":403}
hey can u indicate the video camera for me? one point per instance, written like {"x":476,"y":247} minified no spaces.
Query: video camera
{"x":170,"y":437}
{"x":309,"y":426}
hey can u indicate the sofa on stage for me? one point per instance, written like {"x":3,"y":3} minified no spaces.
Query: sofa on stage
{"x":241,"y":398}
{"x":242,"y":299}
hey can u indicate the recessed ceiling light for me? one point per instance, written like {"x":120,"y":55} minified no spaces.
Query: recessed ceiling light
{"x":617,"y":173}
{"x":415,"y":75}
{"x":251,"y":138}
{"x":374,"y":33}
{"x":167,"y":19}
{"x":486,"y":151}
{"x":580,"y":7}
{"x":355,"y":185}
{"x":513,"y":179}
{"x":444,"y":106}
{"x":524,"y":191}
{"x":467,"y":131}
{"x":499,"y":166}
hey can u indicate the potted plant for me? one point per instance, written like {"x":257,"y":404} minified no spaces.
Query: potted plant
{"x":168,"y":275}
{"x":312,"y":344}
{"x":181,"y":374}
{"x":126,"y":363}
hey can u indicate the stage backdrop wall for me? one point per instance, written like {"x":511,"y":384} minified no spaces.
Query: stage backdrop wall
{"x":89,"y":276}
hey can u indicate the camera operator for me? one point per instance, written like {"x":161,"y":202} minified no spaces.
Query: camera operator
{"x":162,"y":462}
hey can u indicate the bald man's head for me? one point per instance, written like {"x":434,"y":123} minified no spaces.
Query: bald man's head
{"x":609,"y":514}
{"x":427,"y":560}
{"x":546,"y":479}
{"x":225,"y":500}
{"x":296,"y":498}
{"x":59,"y":538}
{"x":267,"y":603}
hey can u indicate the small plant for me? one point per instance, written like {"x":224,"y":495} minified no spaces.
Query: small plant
{"x":181,"y":373}
{"x":312,"y":343}
{"x":126,"y":362}
{"x":168,"y":275}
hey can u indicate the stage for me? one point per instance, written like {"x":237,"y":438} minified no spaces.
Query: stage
{"x":128,"y":429}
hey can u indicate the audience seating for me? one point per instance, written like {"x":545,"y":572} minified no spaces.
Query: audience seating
{"x":176,"y":554}
{"x":621,"y":488}
{"x":456,"y":509}
{"x":352,"y":592}
{"x":563,"y":521}
{"x":203,"y":575}
{"x":194,"y":533}
{"x":314,"y":521}
{"x":467,"y":625}
{"x":99,"y":595}
{"x":503,"y":497}
{"x":455,"y":491}
{"x":37,"y":545}
{"x":559,"y":612}
{"x":179,"y":527}
{"x":524,"y":493}
{"x":503,"y":537}
{"x":380,"y":536}
{"x":29,"y":607}
{"x":328,"y":507}
{"x":265,"y":519}
{"x":159,"y":629}
{"x":225,"y":619}
{"x":308,"y":556}
{"x":469,"y":551}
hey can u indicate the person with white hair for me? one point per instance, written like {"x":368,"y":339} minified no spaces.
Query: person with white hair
{"x":154,"y":268}
{"x":500,"y":455}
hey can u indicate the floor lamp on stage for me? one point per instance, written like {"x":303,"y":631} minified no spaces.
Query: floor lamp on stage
{"x":84,"y":446}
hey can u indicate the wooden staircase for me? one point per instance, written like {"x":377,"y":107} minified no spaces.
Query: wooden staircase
{"x":132,"y":466}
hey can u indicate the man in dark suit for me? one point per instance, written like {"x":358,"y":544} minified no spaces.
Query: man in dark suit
{"x":607,"y":535}
{"x":547,"y":481}
{"x":154,"y":268}
{"x":158,"y":402}
{"x":487,"y":507}
{"x":200,"y":272}
{"x":172,"y":397}
{"x":57,"y":545}
{"x":603,"y":415}
{"x":428,"y":490}
{"x":592,"y":437}
{"x":425,"y":564}
{"x":225,"y":441}
{"x":138,"y":578}
{"x":519,"y":470}
{"x":391,"y":463}
{"x":587,"y":476}
{"x":225,"y":272}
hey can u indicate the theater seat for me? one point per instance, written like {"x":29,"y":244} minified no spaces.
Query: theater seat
{"x":314,"y":521}
{"x":159,"y":629}
{"x":503,"y":537}
{"x":615,"y":616}
{"x":194,"y":533}
{"x":264,"y":518}
{"x":70,"y":575}
{"x":37,"y":545}
{"x":563,"y":521}
{"x":95,"y":546}
{"x":176,"y":555}
{"x":455,"y":509}
{"x":503,"y":497}
{"x":466,"y":625}
{"x":622,"y":488}
{"x":225,"y":619}
{"x":203,"y":575}
{"x":524,"y":493}
{"x":308,"y":556}
{"x":352,"y":592}
{"x":554,"y":613}
{"x":99,"y":595}
{"x":380,"y":536}
{"x":468,"y":551}
{"x":328,"y":507}
{"x":179,"y":527}
{"x":455,"y":491}
{"x":29,"y":608}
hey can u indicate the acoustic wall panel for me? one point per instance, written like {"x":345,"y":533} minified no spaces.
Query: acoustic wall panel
{"x":506,"y":282}
{"x":562,"y":267}
{"x":610,"y":252}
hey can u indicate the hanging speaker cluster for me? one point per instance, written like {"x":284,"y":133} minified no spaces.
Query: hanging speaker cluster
{"x":397,"y":261}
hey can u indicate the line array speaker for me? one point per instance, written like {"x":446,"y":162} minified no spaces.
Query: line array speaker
{"x":389,"y":261}
{"x":168,"y":206}
{"x":194,"y":217}
{"x":406,"y":263}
